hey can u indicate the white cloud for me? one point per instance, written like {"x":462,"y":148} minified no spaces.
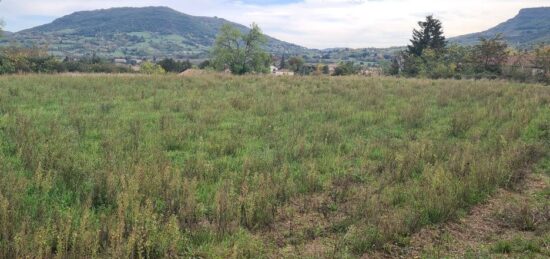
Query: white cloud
{"x":312,"y":23}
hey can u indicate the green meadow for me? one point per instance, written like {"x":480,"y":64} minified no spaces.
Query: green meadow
{"x":97,"y":166}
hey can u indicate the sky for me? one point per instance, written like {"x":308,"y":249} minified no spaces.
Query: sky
{"x":310,"y":23}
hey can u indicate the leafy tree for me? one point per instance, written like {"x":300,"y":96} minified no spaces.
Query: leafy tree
{"x":430,"y":35}
{"x":151,"y":68}
{"x":241,"y":53}
{"x":490,"y":55}
{"x":326,"y":69}
{"x":542,"y":62}
{"x":435,"y":66}
{"x":170,"y":65}
{"x":204,"y":64}
{"x":345,"y":68}
{"x":296,"y":64}
{"x":6,"y":65}
{"x":393,"y":68}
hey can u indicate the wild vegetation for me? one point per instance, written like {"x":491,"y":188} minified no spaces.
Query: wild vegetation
{"x":430,"y":56}
{"x":251,"y":167}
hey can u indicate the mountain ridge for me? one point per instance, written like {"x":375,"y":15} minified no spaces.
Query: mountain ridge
{"x":135,"y":32}
{"x":531,"y":26}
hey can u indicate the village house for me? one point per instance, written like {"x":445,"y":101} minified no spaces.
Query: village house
{"x":284,"y":72}
{"x":120,"y":61}
{"x":280,"y":72}
{"x":524,"y":62}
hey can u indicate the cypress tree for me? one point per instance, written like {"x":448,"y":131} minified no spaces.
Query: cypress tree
{"x":430,"y":35}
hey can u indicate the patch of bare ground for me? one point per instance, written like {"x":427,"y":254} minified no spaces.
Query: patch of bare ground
{"x":507,"y":215}
{"x":303,"y":227}
{"x":311,"y":225}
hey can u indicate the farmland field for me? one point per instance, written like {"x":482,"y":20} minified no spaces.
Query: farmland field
{"x":251,"y":167}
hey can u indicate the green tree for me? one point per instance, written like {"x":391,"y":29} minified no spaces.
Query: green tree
{"x":490,"y":54}
{"x":430,"y":35}
{"x":542,"y":62}
{"x":151,"y":68}
{"x":326,"y":69}
{"x":345,"y":68}
{"x":241,"y":53}
{"x":205,"y":64}
{"x":171,"y":65}
{"x":296,"y":64}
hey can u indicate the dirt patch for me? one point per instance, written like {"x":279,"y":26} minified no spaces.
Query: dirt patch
{"x":478,"y":231}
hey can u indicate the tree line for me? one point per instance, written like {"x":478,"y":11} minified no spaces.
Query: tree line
{"x":431,"y":56}
{"x":15,"y":59}
{"x":243,"y":53}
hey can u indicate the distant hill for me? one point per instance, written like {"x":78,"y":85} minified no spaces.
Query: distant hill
{"x":530,"y":27}
{"x":134,"y":32}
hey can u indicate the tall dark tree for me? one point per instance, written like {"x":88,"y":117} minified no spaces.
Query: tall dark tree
{"x":430,"y":35}
{"x":283,"y":63}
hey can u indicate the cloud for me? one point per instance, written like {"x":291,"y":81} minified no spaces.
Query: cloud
{"x":311,"y":23}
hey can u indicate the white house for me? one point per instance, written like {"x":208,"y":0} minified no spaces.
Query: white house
{"x":284,"y":72}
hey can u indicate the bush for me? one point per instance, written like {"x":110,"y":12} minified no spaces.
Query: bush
{"x":151,"y":68}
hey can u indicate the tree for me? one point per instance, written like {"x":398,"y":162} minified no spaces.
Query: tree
{"x":240,"y":53}
{"x":393,"y":68}
{"x":326,"y":69}
{"x":430,"y":35}
{"x":283,"y":63}
{"x":490,"y":55}
{"x":170,"y":65}
{"x":151,"y":68}
{"x":204,"y":64}
{"x":542,"y":62}
{"x":296,"y":64}
{"x":345,"y":68}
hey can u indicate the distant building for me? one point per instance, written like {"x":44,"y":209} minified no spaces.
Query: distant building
{"x":370,"y":72}
{"x":284,"y":72}
{"x":332,"y":68}
{"x":136,"y":61}
{"x":120,"y":61}
{"x":524,"y":62}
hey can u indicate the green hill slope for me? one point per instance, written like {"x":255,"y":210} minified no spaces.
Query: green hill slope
{"x":134,"y":32}
{"x":530,"y":27}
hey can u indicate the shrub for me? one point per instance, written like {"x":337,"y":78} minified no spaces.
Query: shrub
{"x":151,"y":68}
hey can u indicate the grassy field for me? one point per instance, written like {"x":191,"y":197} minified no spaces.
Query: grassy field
{"x":252,"y":167}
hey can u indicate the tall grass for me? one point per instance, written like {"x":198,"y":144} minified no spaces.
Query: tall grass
{"x":99,"y":166}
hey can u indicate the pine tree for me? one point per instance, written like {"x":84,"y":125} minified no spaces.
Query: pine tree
{"x":430,"y":35}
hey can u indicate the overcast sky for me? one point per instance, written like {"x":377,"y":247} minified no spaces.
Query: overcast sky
{"x":310,"y":23}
